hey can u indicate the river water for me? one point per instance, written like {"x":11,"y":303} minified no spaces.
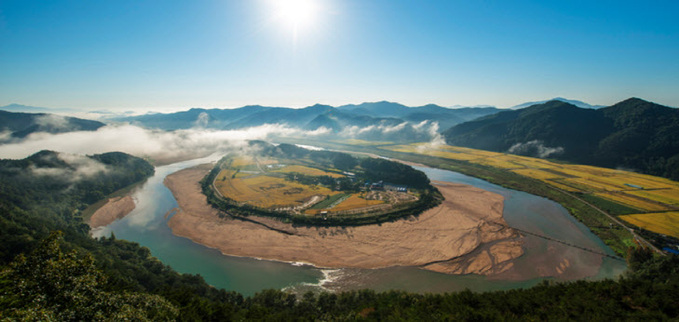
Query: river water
{"x":147,"y":225}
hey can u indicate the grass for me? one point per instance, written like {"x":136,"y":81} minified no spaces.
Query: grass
{"x":329,"y":201}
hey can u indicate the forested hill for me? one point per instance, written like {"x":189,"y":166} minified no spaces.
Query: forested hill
{"x":50,"y":189}
{"x":633,"y":134}
{"x":20,"y":125}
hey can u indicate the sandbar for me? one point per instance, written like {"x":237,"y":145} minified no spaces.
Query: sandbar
{"x":114,"y":209}
{"x":465,"y":234}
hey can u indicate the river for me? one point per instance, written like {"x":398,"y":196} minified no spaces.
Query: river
{"x":147,"y":225}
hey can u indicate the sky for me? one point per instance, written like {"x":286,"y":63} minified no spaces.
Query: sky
{"x":172,"y":55}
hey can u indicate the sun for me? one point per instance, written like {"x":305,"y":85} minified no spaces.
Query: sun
{"x":297,"y":14}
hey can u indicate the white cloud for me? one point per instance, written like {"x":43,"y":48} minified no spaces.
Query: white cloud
{"x":80,"y":167}
{"x":52,"y":121}
{"x":535,"y":148}
{"x":141,"y":142}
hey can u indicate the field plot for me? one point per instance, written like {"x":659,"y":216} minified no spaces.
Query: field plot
{"x":307,"y":171}
{"x":666,"y":223}
{"x":537,"y":174}
{"x":266,"y":192}
{"x":356,"y":201}
{"x":644,"y":192}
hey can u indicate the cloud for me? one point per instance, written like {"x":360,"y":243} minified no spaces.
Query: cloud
{"x":155,"y":144}
{"x":52,"y":121}
{"x":534,"y":148}
{"x":79,"y":167}
{"x":402,"y":132}
{"x":202,"y":120}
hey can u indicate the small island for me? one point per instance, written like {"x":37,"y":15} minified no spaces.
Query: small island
{"x":316,"y":188}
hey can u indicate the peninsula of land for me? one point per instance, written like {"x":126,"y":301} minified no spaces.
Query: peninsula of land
{"x":465,"y":234}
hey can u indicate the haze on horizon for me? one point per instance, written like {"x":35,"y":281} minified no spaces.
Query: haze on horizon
{"x":294,"y":53}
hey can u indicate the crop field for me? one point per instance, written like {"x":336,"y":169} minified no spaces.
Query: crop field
{"x":644,"y":192}
{"x":537,"y":174}
{"x":666,"y":223}
{"x":307,"y":171}
{"x":666,"y":196}
{"x":354,"y":202}
{"x":632,"y":201}
{"x":266,"y":192}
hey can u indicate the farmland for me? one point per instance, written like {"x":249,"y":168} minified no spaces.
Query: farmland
{"x":642,"y":192}
{"x":266,"y":191}
{"x":292,"y":184}
{"x":644,"y":201}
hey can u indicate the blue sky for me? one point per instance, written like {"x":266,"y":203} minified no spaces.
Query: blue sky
{"x":169,"y":55}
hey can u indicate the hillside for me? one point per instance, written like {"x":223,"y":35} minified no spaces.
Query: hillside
{"x":20,"y":125}
{"x":633,"y":134}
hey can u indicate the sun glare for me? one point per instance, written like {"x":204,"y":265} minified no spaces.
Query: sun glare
{"x":297,"y":14}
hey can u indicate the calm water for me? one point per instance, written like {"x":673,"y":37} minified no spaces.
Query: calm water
{"x":147,"y":225}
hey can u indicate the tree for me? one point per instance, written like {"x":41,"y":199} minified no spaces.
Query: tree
{"x":49,"y":284}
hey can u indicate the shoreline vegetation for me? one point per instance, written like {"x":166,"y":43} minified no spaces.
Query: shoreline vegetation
{"x":437,"y":240}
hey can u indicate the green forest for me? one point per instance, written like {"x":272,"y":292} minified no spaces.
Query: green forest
{"x":50,"y":269}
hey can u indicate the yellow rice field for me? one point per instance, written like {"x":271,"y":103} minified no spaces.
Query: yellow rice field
{"x":307,"y":171}
{"x":603,"y":182}
{"x":266,"y":192}
{"x":632,"y":201}
{"x":355,"y":201}
{"x":537,"y":174}
{"x":666,"y":223}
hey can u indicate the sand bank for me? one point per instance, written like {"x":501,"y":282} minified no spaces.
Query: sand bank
{"x":465,"y":234}
{"x":114,"y":209}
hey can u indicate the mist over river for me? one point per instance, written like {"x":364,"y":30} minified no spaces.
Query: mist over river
{"x":147,"y":225}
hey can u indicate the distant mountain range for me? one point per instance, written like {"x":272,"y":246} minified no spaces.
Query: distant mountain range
{"x":633,"y":134}
{"x":377,"y":121}
{"x":19,"y":125}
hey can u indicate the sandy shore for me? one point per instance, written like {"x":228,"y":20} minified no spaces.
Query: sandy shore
{"x":114,"y":209}
{"x":465,"y":234}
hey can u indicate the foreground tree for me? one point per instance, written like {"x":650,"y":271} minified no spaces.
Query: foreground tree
{"x":50,"y":284}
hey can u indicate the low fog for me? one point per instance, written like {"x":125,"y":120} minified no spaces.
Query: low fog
{"x":170,"y":146}
{"x":160,"y":146}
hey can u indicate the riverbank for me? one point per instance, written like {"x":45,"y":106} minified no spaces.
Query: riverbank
{"x":468,"y":222}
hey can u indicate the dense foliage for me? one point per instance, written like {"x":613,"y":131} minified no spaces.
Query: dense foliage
{"x":632,"y":134}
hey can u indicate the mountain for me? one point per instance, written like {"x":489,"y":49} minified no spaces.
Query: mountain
{"x":24,"y":108}
{"x":634,"y":134}
{"x":20,"y":125}
{"x":378,"y":115}
{"x":577,"y":103}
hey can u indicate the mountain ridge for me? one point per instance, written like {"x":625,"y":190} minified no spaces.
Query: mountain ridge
{"x":634,"y":134}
